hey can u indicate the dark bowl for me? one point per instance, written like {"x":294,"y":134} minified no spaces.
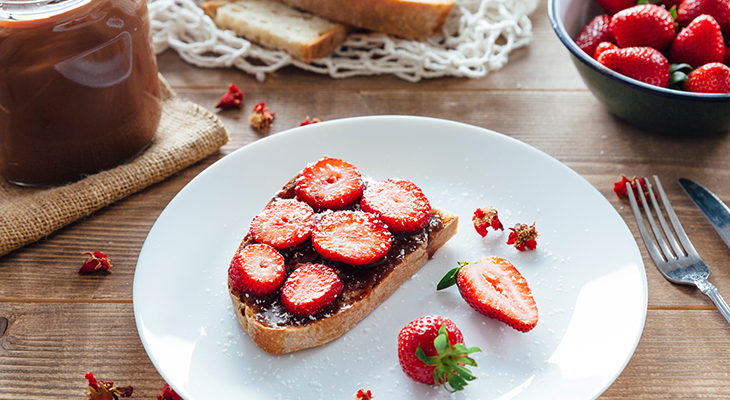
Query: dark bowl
{"x":652,"y":108}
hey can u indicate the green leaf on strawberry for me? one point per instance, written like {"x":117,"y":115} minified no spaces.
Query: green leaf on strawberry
{"x":449,"y":362}
{"x":678,"y":75}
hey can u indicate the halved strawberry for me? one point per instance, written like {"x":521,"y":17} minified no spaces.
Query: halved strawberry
{"x":310,"y":289}
{"x":329,"y":184}
{"x":596,"y":31}
{"x":257,"y":269}
{"x":352,"y":237}
{"x":431,"y":350}
{"x":699,"y":43}
{"x":495,"y":288}
{"x":645,"y":25}
{"x":399,"y":203}
{"x":283,"y":224}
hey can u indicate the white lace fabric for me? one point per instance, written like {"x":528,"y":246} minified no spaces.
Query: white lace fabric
{"x":476,"y":39}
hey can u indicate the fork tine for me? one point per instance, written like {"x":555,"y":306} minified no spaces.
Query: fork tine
{"x":677,"y":250}
{"x":676,"y":225}
{"x":648,"y":238}
{"x":665,"y":253}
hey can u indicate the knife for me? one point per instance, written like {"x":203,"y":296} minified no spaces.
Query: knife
{"x":714,"y":209}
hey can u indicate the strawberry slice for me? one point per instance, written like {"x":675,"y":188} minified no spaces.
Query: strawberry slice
{"x":310,"y":289}
{"x":399,"y":203}
{"x":431,"y":350}
{"x":495,"y":288}
{"x":352,"y":237}
{"x":283,"y":224}
{"x":329,"y":184}
{"x":257,"y":269}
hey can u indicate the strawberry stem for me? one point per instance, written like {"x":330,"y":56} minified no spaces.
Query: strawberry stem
{"x":450,"y":362}
{"x":450,"y":278}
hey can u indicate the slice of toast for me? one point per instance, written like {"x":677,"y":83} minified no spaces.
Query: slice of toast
{"x":409,"y":19}
{"x":275,"y":25}
{"x":276,"y":331}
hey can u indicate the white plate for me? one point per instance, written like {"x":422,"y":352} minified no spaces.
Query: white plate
{"x":587,"y":273}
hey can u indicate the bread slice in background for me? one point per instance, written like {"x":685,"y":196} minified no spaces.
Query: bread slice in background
{"x":409,"y":19}
{"x":275,"y":25}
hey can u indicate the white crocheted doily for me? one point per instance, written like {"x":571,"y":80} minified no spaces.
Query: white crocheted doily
{"x":476,"y":39}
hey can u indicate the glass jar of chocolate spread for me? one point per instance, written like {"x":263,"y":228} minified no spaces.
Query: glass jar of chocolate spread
{"x":79,"y":91}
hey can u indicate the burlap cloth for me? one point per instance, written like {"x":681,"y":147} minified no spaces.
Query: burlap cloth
{"x":187,"y":134}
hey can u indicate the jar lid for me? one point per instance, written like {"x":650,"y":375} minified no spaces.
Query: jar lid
{"x":24,"y":10}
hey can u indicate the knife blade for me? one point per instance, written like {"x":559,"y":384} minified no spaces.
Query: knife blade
{"x":714,"y":209}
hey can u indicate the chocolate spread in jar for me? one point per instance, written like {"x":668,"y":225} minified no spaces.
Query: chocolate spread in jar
{"x":79,"y":90}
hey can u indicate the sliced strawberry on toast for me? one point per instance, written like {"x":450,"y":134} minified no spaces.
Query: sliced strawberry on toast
{"x":257,"y":269}
{"x":399,"y":203}
{"x":495,"y":288}
{"x":283,"y":224}
{"x":310,"y":289}
{"x":329,"y":184}
{"x":352,"y":237}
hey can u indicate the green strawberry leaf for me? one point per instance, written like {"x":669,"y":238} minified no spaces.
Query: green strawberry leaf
{"x":450,"y":362}
{"x":450,"y":278}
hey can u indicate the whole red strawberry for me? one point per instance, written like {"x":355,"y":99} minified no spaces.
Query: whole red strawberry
{"x":709,"y":78}
{"x":614,"y":6}
{"x":688,"y":10}
{"x":310,"y":289}
{"x":431,"y":350}
{"x":283,"y":224}
{"x":257,"y":269}
{"x":352,"y":237}
{"x":644,"y":64}
{"x":646,"y":25}
{"x":399,"y":203}
{"x":329,"y":184}
{"x":699,"y":43}
{"x":495,"y":288}
{"x":603,"y":46}
{"x":596,"y":31}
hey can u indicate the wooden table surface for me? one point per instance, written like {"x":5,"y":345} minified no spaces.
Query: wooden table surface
{"x":60,"y":325}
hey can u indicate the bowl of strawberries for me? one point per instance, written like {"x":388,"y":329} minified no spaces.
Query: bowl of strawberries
{"x":661,"y":66}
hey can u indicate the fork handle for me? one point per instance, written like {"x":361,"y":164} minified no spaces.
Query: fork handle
{"x":711,"y":291}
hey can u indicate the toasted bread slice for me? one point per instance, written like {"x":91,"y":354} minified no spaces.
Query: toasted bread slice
{"x":409,"y":19}
{"x":278,"y":26}
{"x":268,"y":324}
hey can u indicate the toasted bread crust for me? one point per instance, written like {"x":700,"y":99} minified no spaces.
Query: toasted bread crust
{"x":292,"y":337}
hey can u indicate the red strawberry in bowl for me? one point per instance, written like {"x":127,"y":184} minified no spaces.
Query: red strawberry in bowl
{"x":644,"y":64}
{"x":688,"y":10}
{"x":701,"y":42}
{"x":645,"y":25}
{"x":614,"y":6}
{"x":431,"y":350}
{"x":494,"y":287}
{"x":709,"y":78}
{"x":596,"y":31}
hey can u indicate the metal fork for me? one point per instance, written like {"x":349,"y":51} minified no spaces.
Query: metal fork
{"x":679,"y":263}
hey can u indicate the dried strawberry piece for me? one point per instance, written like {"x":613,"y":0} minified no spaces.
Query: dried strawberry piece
{"x":329,"y":184}
{"x":308,"y":122}
{"x":485,"y":218}
{"x":363,"y":394}
{"x":523,"y":237}
{"x":257,"y":269}
{"x":232,"y":98}
{"x":352,"y":237}
{"x":261,"y":118}
{"x":620,"y":187}
{"x":168,"y":394}
{"x":96,"y":261}
{"x":102,"y":390}
{"x":310,"y":289}
{"x":399,"y":203}
{"x":283,"y":224}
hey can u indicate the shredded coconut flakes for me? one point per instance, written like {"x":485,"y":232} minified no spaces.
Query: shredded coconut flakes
{"x":475,"y":40}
